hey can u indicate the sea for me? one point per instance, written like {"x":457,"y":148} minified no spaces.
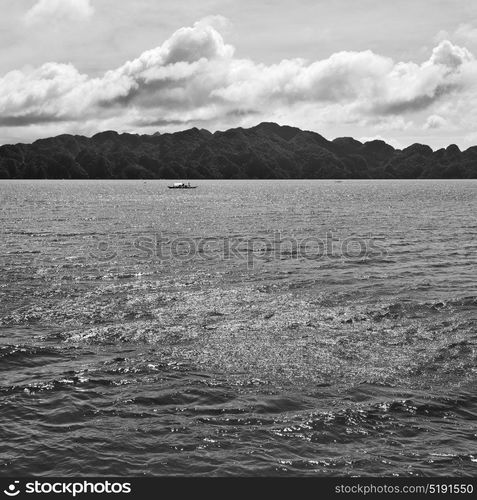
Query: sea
{"x":242,"y":328}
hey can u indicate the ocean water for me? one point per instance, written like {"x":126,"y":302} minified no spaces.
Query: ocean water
{"x":280,"y":328}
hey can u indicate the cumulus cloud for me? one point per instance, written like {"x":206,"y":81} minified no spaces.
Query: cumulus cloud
{"x":58,"y":10}
{"x":435,"y":122}
{"x":449,"y":55}
{"x":194,"y":77}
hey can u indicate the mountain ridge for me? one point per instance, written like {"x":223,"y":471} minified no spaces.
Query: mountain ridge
{"x":265,"y":151}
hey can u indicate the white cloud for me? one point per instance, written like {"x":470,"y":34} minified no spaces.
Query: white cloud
{"x":464,"y":33}
{"x":471,"y":138}
{"x":449,"y":55}
{"x":59,"y":11}
{"x":388,"y":122}
{"x":195,"y":78}
{"x":434,"y":122}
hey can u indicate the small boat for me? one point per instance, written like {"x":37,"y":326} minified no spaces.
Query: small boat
{"x":181,"y":185}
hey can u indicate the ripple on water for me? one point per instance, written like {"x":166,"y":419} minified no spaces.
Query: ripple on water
{"x":214,"y":367}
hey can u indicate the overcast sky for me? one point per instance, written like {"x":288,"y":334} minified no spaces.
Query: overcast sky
{"x":401,"y":70}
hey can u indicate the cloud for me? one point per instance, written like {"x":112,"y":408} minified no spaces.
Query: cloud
{"x":195,"y":77}
{"x":464,"y":33}
{"x":435,"y":122}
{"x":48,"y":91}
{"x":58,"y":11}
{"x":387,"y":122}
{"x":450,"y":56}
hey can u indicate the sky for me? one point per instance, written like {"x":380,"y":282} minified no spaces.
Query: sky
{"x":400,"y":70}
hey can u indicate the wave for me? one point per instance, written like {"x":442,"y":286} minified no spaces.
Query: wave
{"x":403,"y":418}
{"x":26,"y":355}
{"x":402,"y":309}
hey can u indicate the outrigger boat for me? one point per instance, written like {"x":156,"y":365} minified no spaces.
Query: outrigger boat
{"x":181,"y":185}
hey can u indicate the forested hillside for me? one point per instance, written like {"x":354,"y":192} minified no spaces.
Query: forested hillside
{"x":267,"y":151}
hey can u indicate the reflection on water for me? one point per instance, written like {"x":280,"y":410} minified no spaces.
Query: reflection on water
{"x":117,"y":358}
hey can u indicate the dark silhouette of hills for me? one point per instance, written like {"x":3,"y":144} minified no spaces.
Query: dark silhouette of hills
{"x":267,"y":151}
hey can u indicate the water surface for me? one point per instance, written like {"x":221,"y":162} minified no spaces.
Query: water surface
{"x":244,"y":354}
